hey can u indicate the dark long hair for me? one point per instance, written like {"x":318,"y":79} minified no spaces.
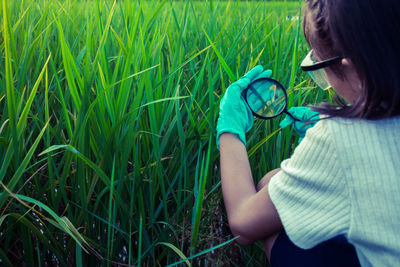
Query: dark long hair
{"x":368,"y":33}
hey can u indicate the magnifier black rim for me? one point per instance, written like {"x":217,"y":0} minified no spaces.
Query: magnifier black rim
{"x":270,"y":80}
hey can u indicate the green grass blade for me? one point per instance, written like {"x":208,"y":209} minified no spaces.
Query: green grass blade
{"x":18,"y":174}
{"x":24,"y":115}
{"x":221,"y":59}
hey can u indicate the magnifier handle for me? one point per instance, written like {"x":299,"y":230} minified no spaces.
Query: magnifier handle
{"x":288,"y":113}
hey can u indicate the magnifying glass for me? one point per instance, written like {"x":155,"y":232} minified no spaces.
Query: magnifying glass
{"x":266,"y":98}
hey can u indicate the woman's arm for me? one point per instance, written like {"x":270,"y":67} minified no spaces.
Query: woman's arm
{"x":251,"y":214}
{"x":269,"y":241}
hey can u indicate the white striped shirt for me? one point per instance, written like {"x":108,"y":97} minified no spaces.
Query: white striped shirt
{"x":344,"y":179}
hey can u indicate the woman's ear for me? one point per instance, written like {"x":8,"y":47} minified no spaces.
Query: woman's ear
{"x":347,"y":63}
{"x":349,"y":68}
{"x":352,"y":75}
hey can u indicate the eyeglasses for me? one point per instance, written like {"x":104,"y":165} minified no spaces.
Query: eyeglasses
{"x":316,"y":70}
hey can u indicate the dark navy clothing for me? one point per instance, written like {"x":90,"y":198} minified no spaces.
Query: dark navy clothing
{"x":332,"y":253}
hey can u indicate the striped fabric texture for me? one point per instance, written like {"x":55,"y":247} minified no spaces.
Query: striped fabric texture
{"x":344,"y":179}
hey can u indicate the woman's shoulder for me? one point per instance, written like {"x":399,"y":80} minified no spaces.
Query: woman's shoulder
{"x":346,"y":122}
{"x":346,"y":135}
{"x":357,"y":140}
{"x":353,"y":126}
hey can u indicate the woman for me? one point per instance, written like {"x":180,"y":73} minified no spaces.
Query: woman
{"x":342,"y":183}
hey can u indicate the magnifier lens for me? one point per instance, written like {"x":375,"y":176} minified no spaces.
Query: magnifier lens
{"x":266,"y":98}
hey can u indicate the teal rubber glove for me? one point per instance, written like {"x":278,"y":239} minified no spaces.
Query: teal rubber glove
{"x":234,"y":114}
{"x":307,"y":119}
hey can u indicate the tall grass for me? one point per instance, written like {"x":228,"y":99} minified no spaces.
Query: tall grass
{"x":108,"y":113}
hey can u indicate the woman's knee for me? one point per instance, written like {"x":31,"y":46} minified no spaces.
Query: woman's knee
{"x":268,"y":243}
{"x":265,"y":180}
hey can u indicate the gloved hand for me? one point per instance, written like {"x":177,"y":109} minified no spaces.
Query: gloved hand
{"x":234,"y":114}
{"x":307,"y":119}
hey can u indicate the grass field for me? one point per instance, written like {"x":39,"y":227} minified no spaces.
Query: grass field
{"x":107,"y":127}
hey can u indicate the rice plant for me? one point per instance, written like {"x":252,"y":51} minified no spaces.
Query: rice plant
{"x":107,"y":127}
